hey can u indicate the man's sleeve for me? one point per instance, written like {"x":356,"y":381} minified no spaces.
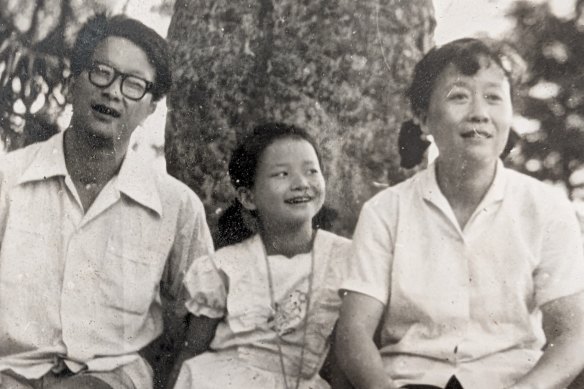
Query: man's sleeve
{"x":193,"y":240}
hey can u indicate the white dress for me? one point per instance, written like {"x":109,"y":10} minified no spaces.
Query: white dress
{"x":233,"y":284}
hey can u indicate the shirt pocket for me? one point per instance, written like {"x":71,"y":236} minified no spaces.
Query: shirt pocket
{"x":130,"y":278}
{"x":26,"y":248}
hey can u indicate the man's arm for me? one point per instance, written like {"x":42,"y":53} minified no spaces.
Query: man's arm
{"x":355,"y":349}
{"x":563,"y":357}
{"x":192,"y":240}
{"x":199,"y":334}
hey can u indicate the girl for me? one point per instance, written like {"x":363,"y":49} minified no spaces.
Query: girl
{"x":274,"y":293}
{"x":459,"y":264}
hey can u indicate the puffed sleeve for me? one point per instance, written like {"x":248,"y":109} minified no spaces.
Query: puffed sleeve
{"x":205,"y":288}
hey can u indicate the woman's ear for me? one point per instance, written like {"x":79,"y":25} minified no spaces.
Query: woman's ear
{"x":420,"y":121}
{"x":246,"y":198}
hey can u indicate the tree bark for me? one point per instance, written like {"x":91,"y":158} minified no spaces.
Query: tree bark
{"x":339,"y":68}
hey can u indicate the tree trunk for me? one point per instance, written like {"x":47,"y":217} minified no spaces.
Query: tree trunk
{"x":339,"y":68}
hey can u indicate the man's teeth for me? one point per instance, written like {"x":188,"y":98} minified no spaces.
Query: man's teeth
{"x":106,"y":110}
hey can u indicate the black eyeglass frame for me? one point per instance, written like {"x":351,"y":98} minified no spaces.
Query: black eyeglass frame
{"x":116,"y":73}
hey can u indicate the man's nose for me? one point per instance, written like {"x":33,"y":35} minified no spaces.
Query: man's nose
{"x":114,"y":90}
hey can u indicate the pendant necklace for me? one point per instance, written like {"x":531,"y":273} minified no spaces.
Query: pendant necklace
{"x":304,"y":322}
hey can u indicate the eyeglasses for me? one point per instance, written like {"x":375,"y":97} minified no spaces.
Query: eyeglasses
{"x":132,"y":87}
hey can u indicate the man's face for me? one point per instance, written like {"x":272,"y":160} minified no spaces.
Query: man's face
{"x":104,"y":112}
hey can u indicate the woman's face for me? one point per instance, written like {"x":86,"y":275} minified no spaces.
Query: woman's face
{"x":289,"y":187}
{"x":469,"y":117}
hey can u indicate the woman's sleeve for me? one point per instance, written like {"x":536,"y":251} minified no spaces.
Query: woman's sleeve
{"x":368,"y":267}
{"x":561,"y":270}
{"x":206,"y":289}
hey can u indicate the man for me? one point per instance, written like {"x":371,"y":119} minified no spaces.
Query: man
{"x":92,"y":240}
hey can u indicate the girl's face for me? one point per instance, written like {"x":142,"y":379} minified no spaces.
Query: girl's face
{"x":289,"y":187}
{"x":470,"y":116}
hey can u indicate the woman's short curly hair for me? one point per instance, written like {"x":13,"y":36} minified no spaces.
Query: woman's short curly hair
{"x":100,"y":26}
{"x":466,"y":55}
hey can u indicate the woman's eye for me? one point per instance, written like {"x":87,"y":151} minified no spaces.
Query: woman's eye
{"x":313,"y":171}
{"x":280,"y":174}
{"x":493,"y":97}
{"x":457,"y":96}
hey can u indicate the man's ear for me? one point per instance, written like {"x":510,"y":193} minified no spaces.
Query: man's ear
{"x":149,"y":111}
{"x":152,"y":107}
{"x":246,"y":198}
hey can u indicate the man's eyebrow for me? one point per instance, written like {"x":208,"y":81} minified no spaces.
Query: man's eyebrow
{"x":136,"y":73}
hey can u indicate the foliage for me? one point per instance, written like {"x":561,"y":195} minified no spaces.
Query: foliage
{"x":338,"y":68}
{"x":553,"y":93}
{"x":35,"y":40}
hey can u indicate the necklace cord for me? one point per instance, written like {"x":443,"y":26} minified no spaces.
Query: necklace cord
{"x":305,"y":320}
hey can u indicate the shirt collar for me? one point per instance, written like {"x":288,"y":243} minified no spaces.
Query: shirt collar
{"x":135,"y":178}
{"x":432,"y":193}
{"x":49,"y":161}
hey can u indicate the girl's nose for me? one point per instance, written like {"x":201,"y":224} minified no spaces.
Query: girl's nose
{"x":300,"y":182}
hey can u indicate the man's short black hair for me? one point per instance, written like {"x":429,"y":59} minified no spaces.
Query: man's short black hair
{"x":100,"y":26}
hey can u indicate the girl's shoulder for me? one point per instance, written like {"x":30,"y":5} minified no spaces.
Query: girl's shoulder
{"x":332,"y":238}
{"x":332,"y":245}
{"x":239,"y":253}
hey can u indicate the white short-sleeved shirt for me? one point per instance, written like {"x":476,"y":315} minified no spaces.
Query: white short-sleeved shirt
{"x":465,"y":302}
{"x":232,"y":284}
{"x":88,"y":287}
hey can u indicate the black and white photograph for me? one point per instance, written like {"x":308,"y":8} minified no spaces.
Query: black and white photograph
{"x":292,"y":194}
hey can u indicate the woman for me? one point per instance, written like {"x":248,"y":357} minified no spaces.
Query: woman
{"x":458,"y":265}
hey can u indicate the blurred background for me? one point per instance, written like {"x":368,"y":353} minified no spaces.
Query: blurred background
{"x":338,"y":68}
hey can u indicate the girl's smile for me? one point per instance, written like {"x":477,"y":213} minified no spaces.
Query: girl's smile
{"x":289,"y":187}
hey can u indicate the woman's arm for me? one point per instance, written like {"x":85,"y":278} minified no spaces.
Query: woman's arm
{"x":563,"y":357}
{"x":355,"y":349}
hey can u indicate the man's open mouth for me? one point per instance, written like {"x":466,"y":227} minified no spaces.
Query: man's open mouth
{"x":104,"y":109}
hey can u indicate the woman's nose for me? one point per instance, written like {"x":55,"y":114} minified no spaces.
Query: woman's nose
{"x":478,"y":110}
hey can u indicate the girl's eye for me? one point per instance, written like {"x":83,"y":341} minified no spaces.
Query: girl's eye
{"x":280,"y":174}
{"x":313,"y":171}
